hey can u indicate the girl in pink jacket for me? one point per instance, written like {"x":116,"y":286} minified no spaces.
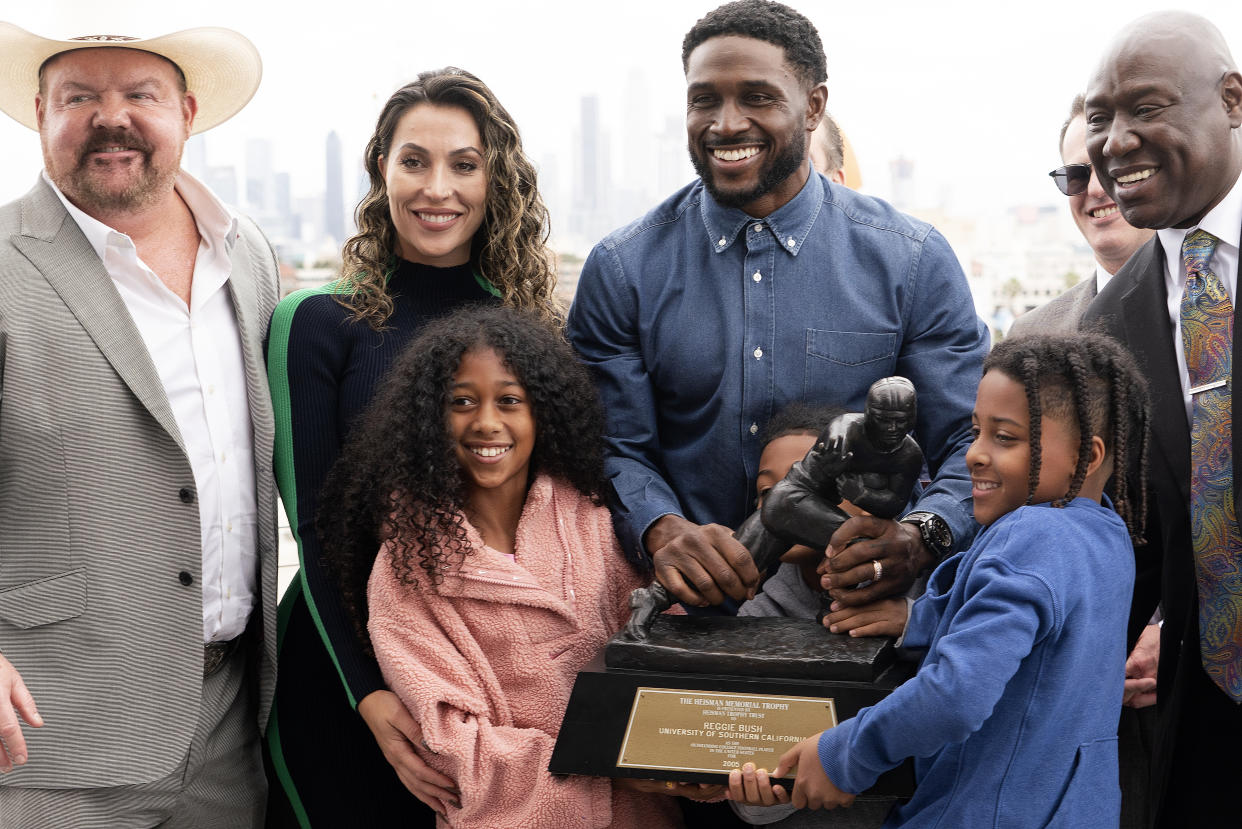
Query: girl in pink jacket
{"x":498,"y":576}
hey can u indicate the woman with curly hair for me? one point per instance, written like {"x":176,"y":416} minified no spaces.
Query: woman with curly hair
{"x":453,"y":217}
{"x":477,"y":474}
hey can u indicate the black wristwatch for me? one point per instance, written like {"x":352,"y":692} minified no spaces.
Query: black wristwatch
{"x":936,"y":534}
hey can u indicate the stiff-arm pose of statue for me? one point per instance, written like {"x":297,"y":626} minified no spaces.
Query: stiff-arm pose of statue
{"x":866,"y":458}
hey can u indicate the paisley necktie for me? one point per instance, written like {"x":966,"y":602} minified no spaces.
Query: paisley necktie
{"x":1207,"y":335}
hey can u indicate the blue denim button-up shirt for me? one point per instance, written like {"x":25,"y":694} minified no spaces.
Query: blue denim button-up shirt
{"x":701,"y":322}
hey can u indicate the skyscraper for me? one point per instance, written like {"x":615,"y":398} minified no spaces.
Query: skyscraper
{"x":638,"y":142}
{"x":334,"y":190}
{"x":591,"y":218}
{"x":589,"y":172}
{"x":902,"y":170}
{"x":260,"y":182}
{"x":222,"y":180}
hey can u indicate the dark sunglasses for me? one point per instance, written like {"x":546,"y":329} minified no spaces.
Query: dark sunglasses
{"x":1072,"y":178}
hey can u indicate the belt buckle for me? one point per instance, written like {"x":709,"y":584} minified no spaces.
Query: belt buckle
{"x":214,"y":655}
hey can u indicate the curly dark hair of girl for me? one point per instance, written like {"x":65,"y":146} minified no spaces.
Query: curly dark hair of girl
{"x":398,"y":477}
{"x":510,"y":250}
{"x":1089,"y":380}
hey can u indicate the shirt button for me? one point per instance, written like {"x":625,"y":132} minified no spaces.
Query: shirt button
{"x":754,"y":428}
{"x":186,"y":495}
{"x":229,"y":527}
{"x":223,"y":457}
{"x":185,"y":578}
{"x":722,"y":242}
{"x":791,"y":241}
{"x":758,"y":353}
{"x":211,"y":389}
{"x":757,"y":227}
{"x":756,"y":276}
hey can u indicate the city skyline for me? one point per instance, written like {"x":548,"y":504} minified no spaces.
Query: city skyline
{"x":972,"y":92}
{"x":965,"y":96}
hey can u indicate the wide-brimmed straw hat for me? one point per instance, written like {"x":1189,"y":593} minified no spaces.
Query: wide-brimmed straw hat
{"x":221,"y":67}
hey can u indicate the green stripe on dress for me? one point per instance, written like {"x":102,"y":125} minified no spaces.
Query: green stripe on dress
{"x":282,"y":410}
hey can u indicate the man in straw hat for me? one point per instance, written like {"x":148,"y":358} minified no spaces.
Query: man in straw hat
{"x":137,"y":510}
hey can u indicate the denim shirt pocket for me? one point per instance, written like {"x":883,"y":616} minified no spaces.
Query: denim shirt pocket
{"x":846,"y":360}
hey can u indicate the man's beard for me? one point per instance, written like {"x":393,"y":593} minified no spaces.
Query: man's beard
{"x":90,"y":193}
{"x":777,"y":170}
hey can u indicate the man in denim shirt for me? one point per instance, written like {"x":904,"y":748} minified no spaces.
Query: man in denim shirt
{"x":757,"y":285}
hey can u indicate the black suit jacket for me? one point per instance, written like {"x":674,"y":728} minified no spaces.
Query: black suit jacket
{"x":1133,"y":308}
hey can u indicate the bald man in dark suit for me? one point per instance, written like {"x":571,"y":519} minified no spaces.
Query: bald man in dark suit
{"x":1163,"y":113}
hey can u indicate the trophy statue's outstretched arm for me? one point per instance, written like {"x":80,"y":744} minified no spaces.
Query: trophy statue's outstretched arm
{"x":765,"y":547}
{"x":645,"y":604}
{"x":803,"y":506}
{"x":802,"y":516}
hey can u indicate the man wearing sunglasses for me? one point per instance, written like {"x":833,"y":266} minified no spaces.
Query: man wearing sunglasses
{"x":1111,"y":238}
{"x":1164,"y":133}
{"x":1113,"y":241}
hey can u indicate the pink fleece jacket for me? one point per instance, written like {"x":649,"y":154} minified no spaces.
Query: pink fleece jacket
{"x":486,"y":659}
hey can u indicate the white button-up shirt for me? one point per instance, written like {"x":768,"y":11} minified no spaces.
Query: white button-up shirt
{"x":1102,"y":276}
{"x":197,"y":353}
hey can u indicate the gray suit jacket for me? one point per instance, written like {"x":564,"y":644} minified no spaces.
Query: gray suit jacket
{"x":1059,"y":315}
{"x":98,"y":517}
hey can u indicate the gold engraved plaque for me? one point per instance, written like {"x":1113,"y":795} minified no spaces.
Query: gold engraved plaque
{"x":712,"y":732}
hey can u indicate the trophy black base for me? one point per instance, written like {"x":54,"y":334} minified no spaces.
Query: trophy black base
{"x":842,"y":672}
{"x":766,"y":646}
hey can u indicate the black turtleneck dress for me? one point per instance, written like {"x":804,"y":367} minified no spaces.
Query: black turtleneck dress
{"x":325,"y":768}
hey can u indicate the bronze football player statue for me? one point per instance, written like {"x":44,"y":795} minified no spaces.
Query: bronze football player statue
{"x":866,"y":458}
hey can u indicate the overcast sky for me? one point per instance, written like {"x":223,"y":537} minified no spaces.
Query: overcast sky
{"x":974,"y":92}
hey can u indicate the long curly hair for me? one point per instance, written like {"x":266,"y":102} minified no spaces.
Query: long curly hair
{"x":510,"y":250}
{"x":1089,"y":380}
{"x":398,"y":478}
